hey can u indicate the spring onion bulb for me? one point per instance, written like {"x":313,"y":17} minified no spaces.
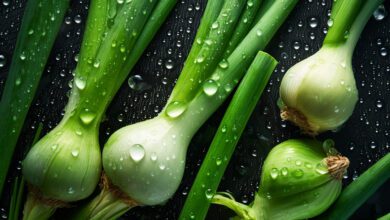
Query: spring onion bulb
{"x":300,"y":179}
{"x":64,"y":166}
{"x":145,"y":161}
{"x":319,"y":93}
{"x":36,"y":37}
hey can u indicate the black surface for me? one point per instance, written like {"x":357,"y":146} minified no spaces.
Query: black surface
{"x":364,"y":138}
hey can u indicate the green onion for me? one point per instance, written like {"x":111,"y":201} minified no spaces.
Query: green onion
{"x":244,"y":25}
{"x":357,"y":192}
{"x":196,"y":70}
{"x":64,"y":166}
{"x":319,"y":93}
{"x":145,"y":162}
{"x":299,"y":180}
{"x":40,"y":24}
{"x":229,"y":131}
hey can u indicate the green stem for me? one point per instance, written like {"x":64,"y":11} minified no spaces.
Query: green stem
{"x":202,"y":106}
{"x":385,"y":217}
{"x":229,"y":132}
{"x":157,"y":18}
{"x":360,"y":22}
{"x":198,"y":68}
{"x":356,"y":193}
{"x":240,"y":209}
{"x":342,"y":16}
{"x":244,"y":25}
{"x":35,"y":210}
{"x":41,"y":22}
{"x":94,"y":86}
{"x":104,"y":206}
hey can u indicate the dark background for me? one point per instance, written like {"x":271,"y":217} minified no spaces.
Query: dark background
{"x":364,"y":138}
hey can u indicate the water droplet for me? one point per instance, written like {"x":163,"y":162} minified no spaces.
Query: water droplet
{"x":379,"y":103}
{"x":210,"y":87}
{"x":330,"y":22}
{"x":274,"y":173}
{"x":296,"y":45}
{"x":200,"y":59}
{"x":308,"y":165}
{"x":223,"y":129}
{"x":224,"y":64}
{"x":259,"y":32}
{"x":18,"y":81}
{"x":71,"y":190}
{"x":284,"y":171}
{"x":327,"y":145}
{"x":321,"y":168}
{"x":75,"y":152}
{"x":209,"y":194}
{"x":175,"y":109}
{"x":2,"y":60}
{"x":153,"y":156}
{"x":169,"y":64}
{"x":87,"y":116}
{"x":80,"y":83}
{"x":298,"y":173}
{"x":137,"y":152}
{"x":162,"y":167}
{"x":54,"y":147}
{"x":96,"y":64}
{"x":218,"y":161}
{"x":298,"y":162}
{"x":137,"y":83}
{"x":380,"y":13}
{"x":313,"y":22}
{"x":77,"y":19}
{"x":22,"y":56}
{"x":215,"y":25}
{"x":383,"y":52}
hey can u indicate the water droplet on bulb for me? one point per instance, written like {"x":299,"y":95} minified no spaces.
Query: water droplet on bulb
{"x":153,"y":156}
{"x":75,"y":153}
{"x":175,"y":109}
{"x":274,"y":173}
{"x":298,"y":173}
{"x":137,"y":152}
{"x":321,"y":168}
{"x":71,"y":190}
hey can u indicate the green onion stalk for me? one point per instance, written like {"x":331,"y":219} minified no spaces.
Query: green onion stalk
{"x":300,"y":179}
{"x":40,"y":25}
{"x":64,"y":166}
{"x":319,"y":93}
{"x":144,"y":162}
{"x":356,"y":193}
{"x":229,"y":131}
